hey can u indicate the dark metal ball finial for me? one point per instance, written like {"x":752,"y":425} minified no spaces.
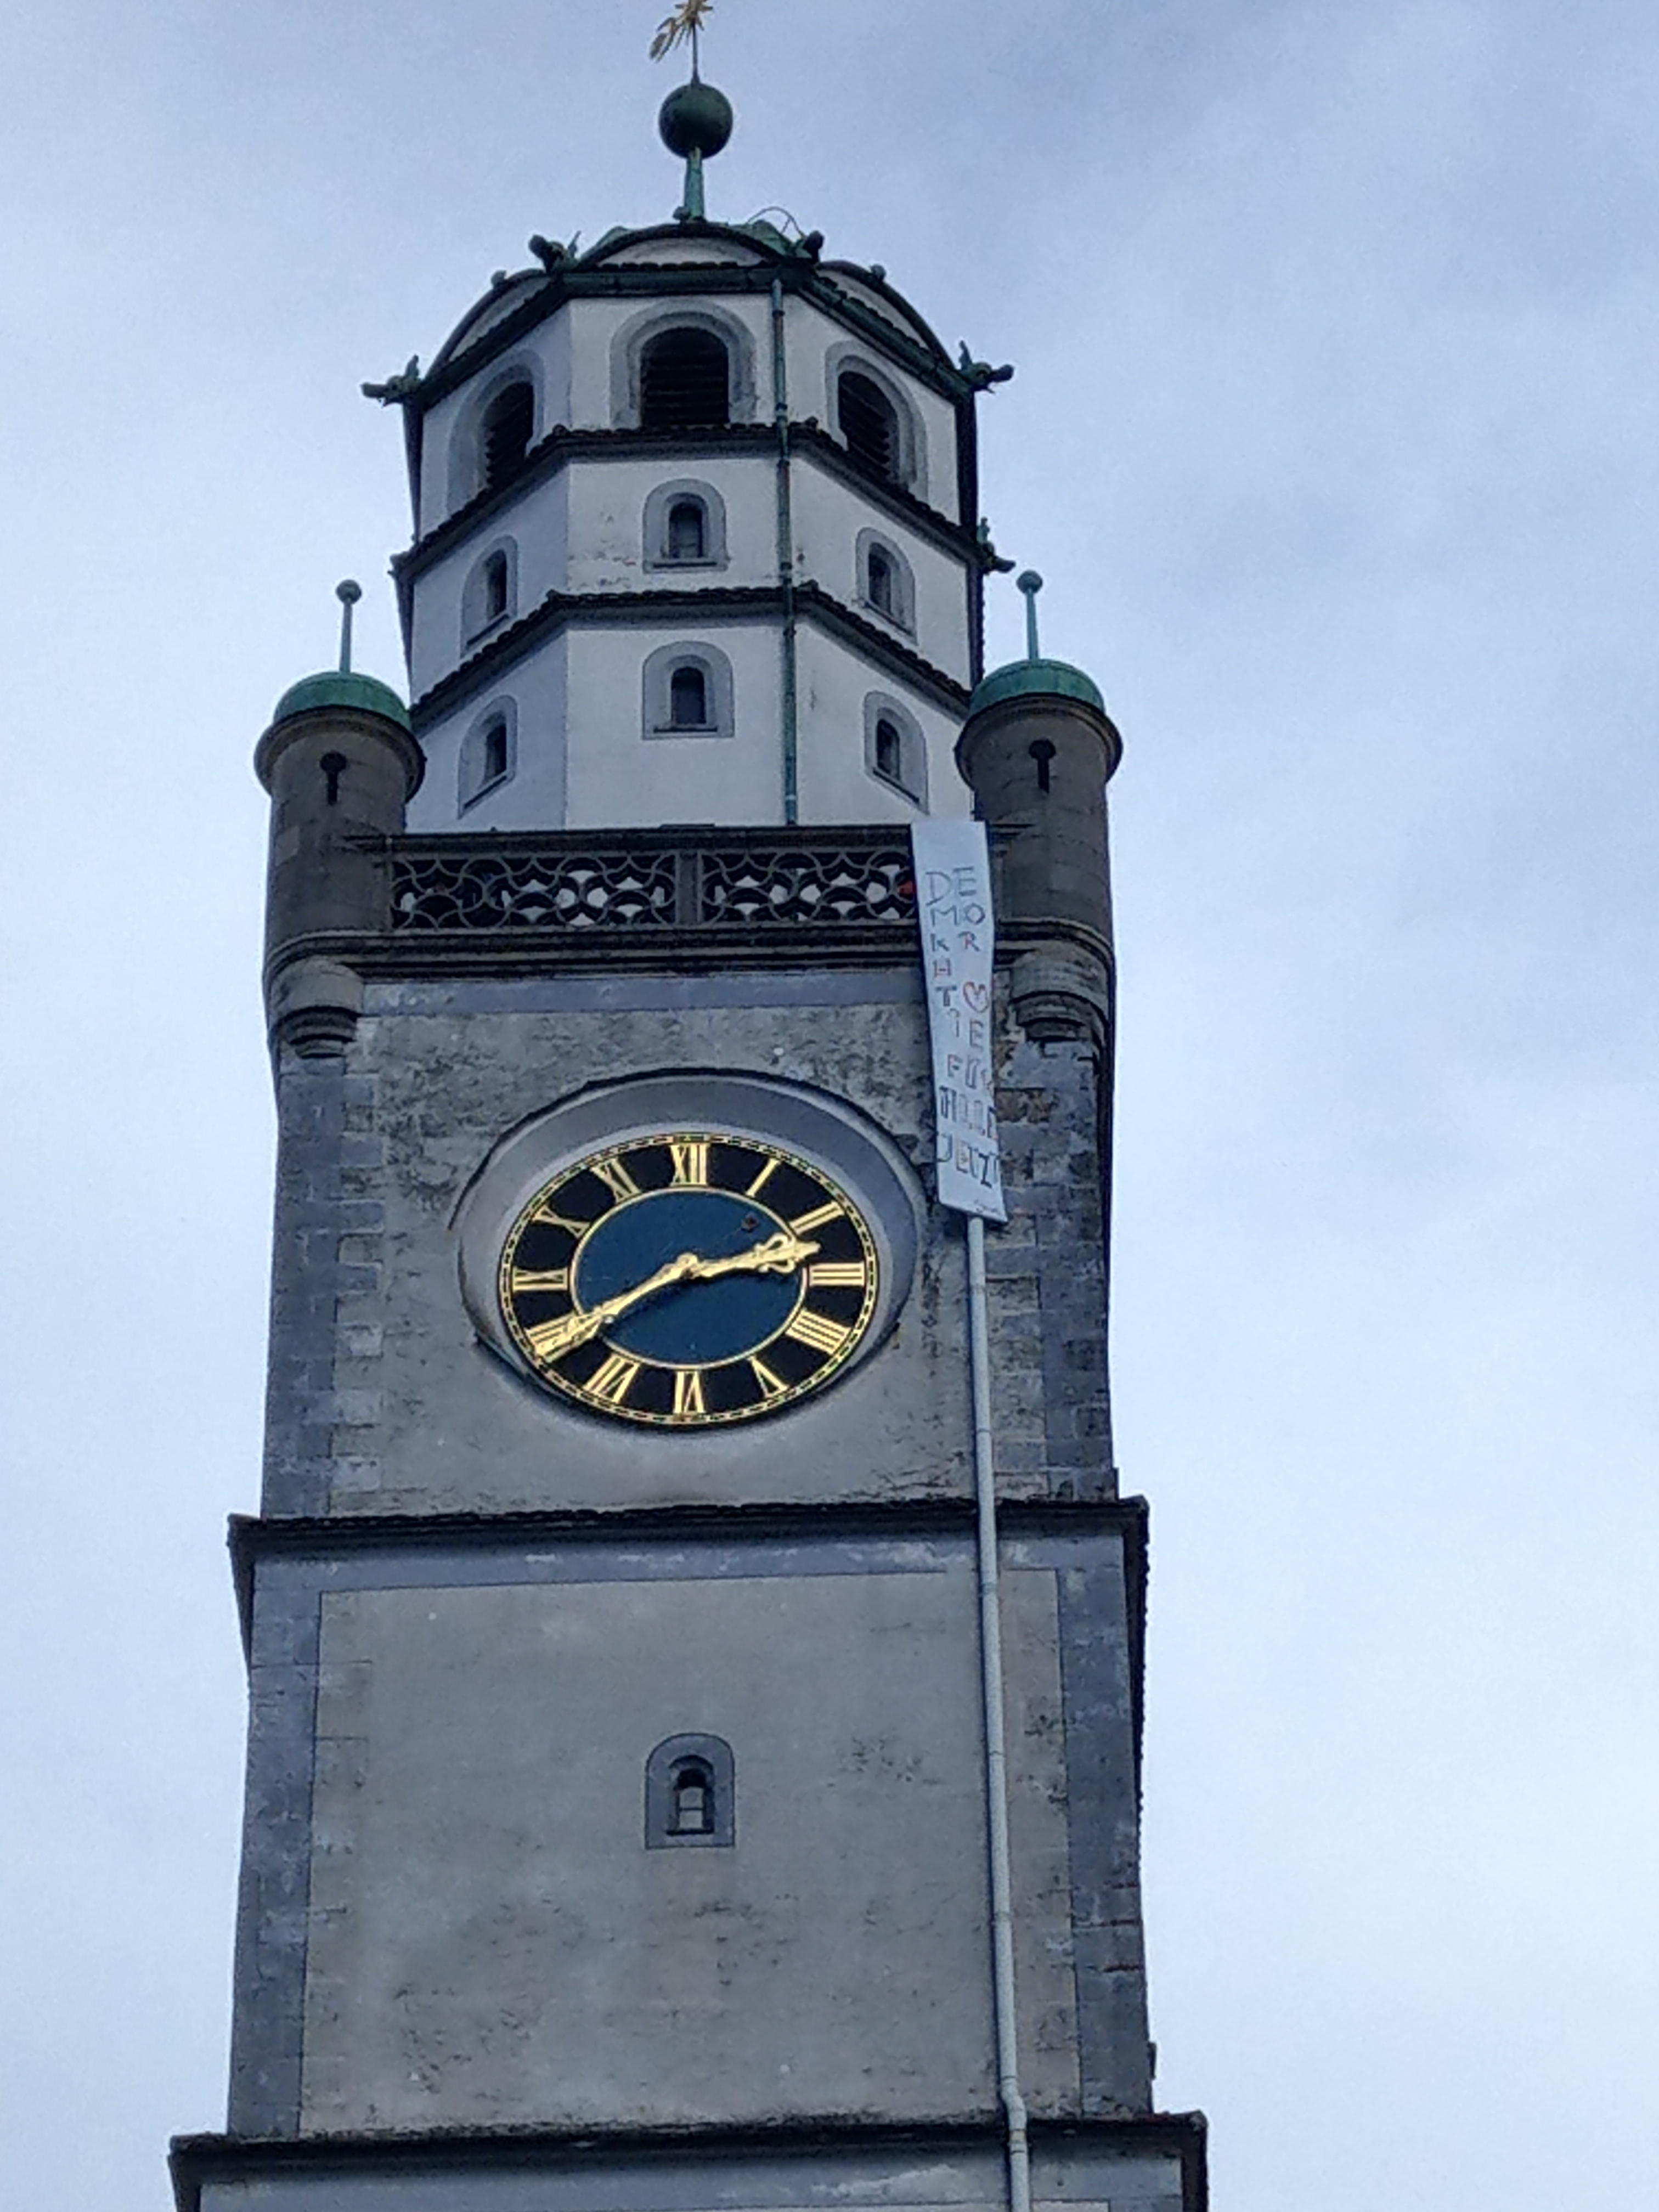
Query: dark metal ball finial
{"x":695,"y":119}
{"x":349,"y":592}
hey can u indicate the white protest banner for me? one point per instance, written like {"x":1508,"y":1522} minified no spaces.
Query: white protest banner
{"x":954,"y":903}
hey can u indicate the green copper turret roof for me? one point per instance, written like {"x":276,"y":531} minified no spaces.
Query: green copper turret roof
{"x":1035,"y":679}
{"x":337,"y":687}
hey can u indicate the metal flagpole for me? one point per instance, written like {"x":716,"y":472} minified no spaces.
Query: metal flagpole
{"x":996,"y":1757}
{"x":953,"y":906}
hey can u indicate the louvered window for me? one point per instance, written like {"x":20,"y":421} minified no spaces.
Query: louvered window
{"x":869,"y":424}
{"x":686,"y":380}
{"x":509,"y":423}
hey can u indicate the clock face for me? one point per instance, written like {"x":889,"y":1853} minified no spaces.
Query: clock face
{"x":687,"y":1278}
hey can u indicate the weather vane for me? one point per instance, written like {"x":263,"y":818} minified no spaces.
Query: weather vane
{"x":687,"y":19}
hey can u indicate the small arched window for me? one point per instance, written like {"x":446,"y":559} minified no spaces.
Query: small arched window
{"x":490,"y":589}
{"x":691,"y":1793}
{"x":685,"y":382}
{"x":869,"y":422}
{"x":508,"y":425}
{"x":889,"y":749}
{"x":493,"y":762}
{"x":688,"y":692}
{"x":684,"y":525}
{"x":488,"y":753}
{"x":687,"y":697}
{"x":688,"y":531}
{"x":881,"y":581}
{"x":895,"y":747}
{"x":886,"y":584}
{"x":493,"y":588}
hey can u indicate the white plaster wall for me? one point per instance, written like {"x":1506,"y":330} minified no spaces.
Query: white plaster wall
{"x":548,"y":347}
{"x":620,"y":779}
{"x":607,"y":522}
{"x":829,"y":517}
{"x":533,"y":798}
{"x":835,"y":784}
{"x":538,"y":522}
{"x":810,"y":337}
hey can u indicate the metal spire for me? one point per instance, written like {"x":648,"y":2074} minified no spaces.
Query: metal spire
{"x":1030,"y":583}
{"x":348,"y":594}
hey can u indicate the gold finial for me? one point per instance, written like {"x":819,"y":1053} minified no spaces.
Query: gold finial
{"x":687,"y":19}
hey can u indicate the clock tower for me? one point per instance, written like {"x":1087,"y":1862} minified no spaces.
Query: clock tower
{"x":666,"y":1788}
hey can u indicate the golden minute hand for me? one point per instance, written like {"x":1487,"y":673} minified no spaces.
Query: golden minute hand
{"x":778,"y":1255}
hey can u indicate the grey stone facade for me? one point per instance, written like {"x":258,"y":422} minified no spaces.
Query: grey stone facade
{"x":400,"y":1407}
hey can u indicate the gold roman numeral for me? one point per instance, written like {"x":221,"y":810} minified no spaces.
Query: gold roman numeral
{"x":615,"y":1379}
{"x":544,"y":1339}
{"x":546,"y":1278}
{"x":762,"y":1180}
{"x":836,"y":1275}
{"x":616,"y":1178}
{"x":545,"y":1213}
{"x":690,"y":1159}
{"x":688,"y":1392}
{"x":819,"y":1218}
{"x":808,"y":1327}
{"x":771,"y":1386}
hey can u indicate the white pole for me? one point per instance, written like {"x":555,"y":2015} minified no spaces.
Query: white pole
{"x":996,"y":1758}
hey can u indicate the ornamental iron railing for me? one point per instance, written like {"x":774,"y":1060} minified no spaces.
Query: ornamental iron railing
{"x":732,"y":880}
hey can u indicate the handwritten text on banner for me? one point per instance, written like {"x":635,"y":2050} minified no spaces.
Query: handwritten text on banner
{"x":953,"y":901}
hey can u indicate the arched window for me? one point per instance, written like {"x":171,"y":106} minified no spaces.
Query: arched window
{"x":885,"y":581}
{"x":691,"y":1793}
{"x":688,"y":692}
{"x":869,"y":422}
{"x":508,"y":425}
{"x":688,"y":531}
{"x":685,"y":382}
{"x":494,"y":762}
{"x":490,"y":590}
{"x":895,"y":749}
{"x":684,"y":525}
{"x":881,"y":581}
{"x":890,"y":750}
{"x":493,"y":589}
{"x":687,"y":697}
{"x":488,"y":752}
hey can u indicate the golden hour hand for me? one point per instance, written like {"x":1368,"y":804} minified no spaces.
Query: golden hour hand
{"x":777,"y":1255}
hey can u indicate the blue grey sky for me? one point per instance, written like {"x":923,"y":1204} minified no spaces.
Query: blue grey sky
{"x":1335,"y":434}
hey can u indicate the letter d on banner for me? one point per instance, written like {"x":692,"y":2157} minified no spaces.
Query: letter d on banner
{"x":958,"y":951}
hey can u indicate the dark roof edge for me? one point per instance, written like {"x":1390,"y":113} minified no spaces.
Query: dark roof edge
{"x":546,"y":292}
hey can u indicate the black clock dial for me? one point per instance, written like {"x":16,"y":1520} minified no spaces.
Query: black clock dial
{"x":689,"y":1278}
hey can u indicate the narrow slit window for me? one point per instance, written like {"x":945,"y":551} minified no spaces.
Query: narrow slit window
{"x":493,"y":766}
{"x":869,"y":423}
{"x":509,"y":423}
{"x":688,"y":698}
{"x":685,"y":382}
{"x":688,"y":531}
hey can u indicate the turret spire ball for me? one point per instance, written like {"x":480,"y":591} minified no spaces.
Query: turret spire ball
{"x":695,"y":119}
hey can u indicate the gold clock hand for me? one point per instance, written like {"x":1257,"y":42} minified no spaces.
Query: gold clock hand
{"x":777,"y":1255}
{"x":578,"y":1327}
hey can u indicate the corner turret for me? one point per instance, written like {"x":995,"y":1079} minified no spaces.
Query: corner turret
{"x":341,"y":764}
{"x":1037,"y":751}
